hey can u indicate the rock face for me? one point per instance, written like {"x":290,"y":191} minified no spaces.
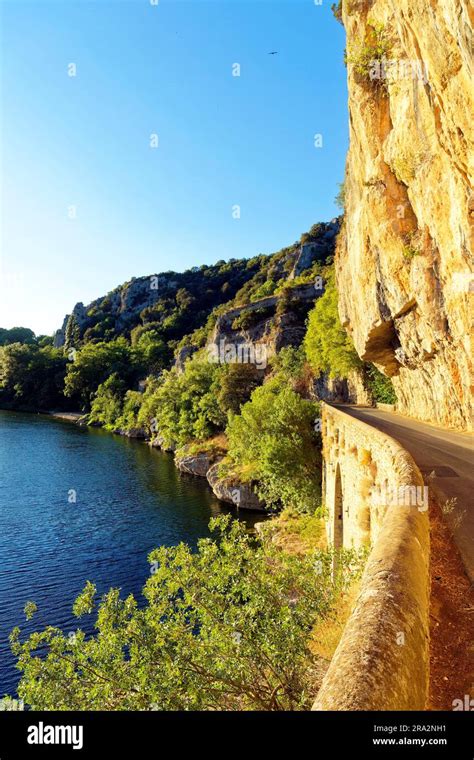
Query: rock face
{"x":404,"y":257}
{"x":138,"y":433}
{"x":183,"y":354}
{"x":257,"y":331}
{"x":318,"y":249}
{"x":158,"y":442}
{"x":240,"y":495}
{"x":206,"y":464}
{"x":348,"y":391}
{"x":194,"y":464}
{"x":60,"y":335}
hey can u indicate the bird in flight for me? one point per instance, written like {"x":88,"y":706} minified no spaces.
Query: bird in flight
{"x":273,"y":52}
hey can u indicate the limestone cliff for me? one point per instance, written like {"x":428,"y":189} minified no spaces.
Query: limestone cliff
{"x":404,"y":257}
{"x":269,"y":324}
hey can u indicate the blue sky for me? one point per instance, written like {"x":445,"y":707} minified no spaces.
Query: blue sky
{"x":81,"y":144}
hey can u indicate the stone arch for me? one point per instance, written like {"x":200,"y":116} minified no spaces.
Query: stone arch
{"x":338,"y":513}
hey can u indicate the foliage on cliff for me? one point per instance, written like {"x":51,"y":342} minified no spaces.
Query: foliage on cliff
{"x":223,"y":628}
{"x":329,"y":349}
{"x":327,"y":345}
{"x":380,"y":386}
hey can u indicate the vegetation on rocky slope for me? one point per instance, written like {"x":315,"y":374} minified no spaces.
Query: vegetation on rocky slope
{"x":226,"y":627}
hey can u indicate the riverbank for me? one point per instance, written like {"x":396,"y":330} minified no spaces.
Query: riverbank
{"x":199,"y":460}
{"x":69,"y":416}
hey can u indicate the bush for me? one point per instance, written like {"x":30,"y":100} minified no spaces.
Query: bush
{"x":225,"y":627}
{"x":380,"y":386}
{"x":249,"y":319}
{"x":106,"y":407}
{"x":274,"y":442}
{"x":183,"y":407}
{"x":337,"y":11}
{"x":32,"y":377}
{"x":367,"y":58}
{"x":289,"y":363}
{"x":340,"y":199}
{"x":327,"y":345}
{"x":17,"y":335}
{"x":236,"y":385}
{"x":95,"y":362}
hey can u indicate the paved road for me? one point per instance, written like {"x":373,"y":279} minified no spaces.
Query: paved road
{"x":450,"y":455}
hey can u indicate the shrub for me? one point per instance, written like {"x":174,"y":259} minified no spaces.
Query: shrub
{"x":225,"y":627}
{"x":340,"y":199}
{"x":337,"y":11}
{"x":273,"y":440}
{"x":248,"y":319}
{"x":380,"y":386}
{"x":95,"y":362}
{"x":183,"y":407}
{"x":237,"y":382}
{"x":328,"y":347}
{"x":367,"y":58}
{"x":106,"y":407}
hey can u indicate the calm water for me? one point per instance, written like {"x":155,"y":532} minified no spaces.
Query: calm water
{"x":130,"y":499}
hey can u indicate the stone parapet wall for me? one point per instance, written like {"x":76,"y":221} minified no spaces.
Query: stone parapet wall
{"x":382,"y":660}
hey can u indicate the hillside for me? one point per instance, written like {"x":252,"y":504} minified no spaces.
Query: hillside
{"x":173,"y":305}
{"x":148,"y":324}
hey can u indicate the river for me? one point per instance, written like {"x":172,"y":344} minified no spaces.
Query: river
{"x":81,"y":504}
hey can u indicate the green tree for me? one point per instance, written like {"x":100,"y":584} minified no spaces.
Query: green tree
{"x":72,"y":335}
{"x":32,"y":377}
{"x":237,"y":382}
{"x":16,"y":335}
{"x":223,"y":628}
{"x":380,"y":386}
{"x":106,"y":406}
{"x":154,"y":352}
{"x":95,"y":362}
{"x":340,"y":199}
{"x":289,"y":363}
{"x":273,"y":441}
{"x":44,"y":340}
{"x":180,"y":406}
{"x":327,"y":345}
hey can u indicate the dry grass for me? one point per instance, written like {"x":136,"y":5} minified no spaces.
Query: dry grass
{"x":295,"y":533}
{"x":327,"y":633}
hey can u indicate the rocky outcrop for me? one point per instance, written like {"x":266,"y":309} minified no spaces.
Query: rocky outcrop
{"x":206,"y":464}
{"x":136,"y":433}
{"x":60,"y":335}
{"x":182,"y":355}
{"x":139,"y":433}
{"x":241,"y":495}
{"x":159,"y":442}
{"x":258,"y":330}
{"x":404,"y":260}
{"x":318,"y":249}
{"x":194,"y":464}
{"x":350,"y":390}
